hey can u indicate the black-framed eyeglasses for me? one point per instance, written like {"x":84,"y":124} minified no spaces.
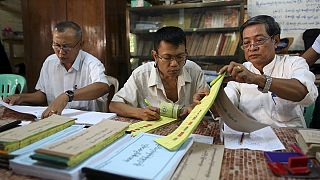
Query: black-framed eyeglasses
{"x":179,"y":58}
{"x":256,"y":44}
{"x":66,"y":49}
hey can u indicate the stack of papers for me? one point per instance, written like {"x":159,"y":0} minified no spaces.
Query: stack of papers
{"x":82,"y":117}
{"x":263,"y":139}
{"x":140,"y":158}
{"x":74,"y":149}
{"x":24,"y":165}
{"x":19,"y":137}
{"x":309,"y":141}
{"x":30,"y":148}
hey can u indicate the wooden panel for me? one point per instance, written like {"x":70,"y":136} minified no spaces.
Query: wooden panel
{"x":39,"y":17}
{"x":89,"y":14}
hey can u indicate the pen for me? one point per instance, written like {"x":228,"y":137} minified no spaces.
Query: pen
{"x":272,"y":96}
{"x":241,"y":139}
{"x":147,"y":102}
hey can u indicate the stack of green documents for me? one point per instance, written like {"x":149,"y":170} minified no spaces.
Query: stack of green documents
{"x":78,"y":147}
{"x":19,"y":137}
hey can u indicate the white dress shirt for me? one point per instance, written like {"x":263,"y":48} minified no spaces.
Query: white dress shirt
{"x":145,"y":82}
{"x":266,"y":107}
{"x":316,"y":45}
{"x":55,"y":79}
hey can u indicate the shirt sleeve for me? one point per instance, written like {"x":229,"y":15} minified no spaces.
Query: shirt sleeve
{"x":42,"y":78}
{"x":300,"y":71}
{"x":128,"y":94}
{"x":316,"y":45}
{"x":233,"y":92}
{"x":97,"y":73}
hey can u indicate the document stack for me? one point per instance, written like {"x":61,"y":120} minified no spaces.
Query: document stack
{"x":309,"y":141}
{"x":72,"y":150}
{"x":20,"y":137}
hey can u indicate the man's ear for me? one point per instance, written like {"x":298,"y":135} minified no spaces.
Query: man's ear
{"x":154,"y":54}
{"x":276,"y":40}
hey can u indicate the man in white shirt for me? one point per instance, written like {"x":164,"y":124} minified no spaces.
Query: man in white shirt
{"x":171,"y":78}
{"x":69,"y":78}
{"x":270,"y":88}
{"x":311,"y":56}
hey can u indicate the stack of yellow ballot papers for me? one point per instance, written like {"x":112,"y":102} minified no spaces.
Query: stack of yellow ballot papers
{"x":19,"y":137}
{"x":76,"y":148}
{"x":309,"y":141}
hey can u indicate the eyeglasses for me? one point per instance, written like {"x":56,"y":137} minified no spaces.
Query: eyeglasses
{"x":66,"y":49}
{"x":179,"y":58}
{"x":258,"y":43}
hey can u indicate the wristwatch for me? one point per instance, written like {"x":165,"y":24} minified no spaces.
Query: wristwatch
{"x":70,"y":95}
{"x":267,"y":85}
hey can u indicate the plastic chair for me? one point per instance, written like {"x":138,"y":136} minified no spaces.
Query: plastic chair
{"x":9,"y":84}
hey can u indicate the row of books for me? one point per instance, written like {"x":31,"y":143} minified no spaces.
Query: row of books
{"x":210,"y":44}
{"x":217,"y":44}
{"x":209,"y":19}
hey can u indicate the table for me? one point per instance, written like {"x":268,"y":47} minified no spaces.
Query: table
{"x":237,"y":164}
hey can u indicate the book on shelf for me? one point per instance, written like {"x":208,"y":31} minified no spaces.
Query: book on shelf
{"x":68,"y":153}
{"x":140,"y":158}
{"x":309,"y":141}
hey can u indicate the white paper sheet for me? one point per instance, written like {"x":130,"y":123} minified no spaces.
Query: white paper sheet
{"x":263,"y":139}
{"x":83,"y":117}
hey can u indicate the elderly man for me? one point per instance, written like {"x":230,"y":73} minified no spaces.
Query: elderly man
{"x":270,"y":88}
{"x":69,"y":78}
{"x":170,"y":78}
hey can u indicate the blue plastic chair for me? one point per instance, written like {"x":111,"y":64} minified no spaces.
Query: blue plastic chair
{"x":9,"y":84}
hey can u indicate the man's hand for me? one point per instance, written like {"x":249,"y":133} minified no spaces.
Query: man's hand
{"x":199,"y":95}
{"x":238,"y":73}
{"x":57,"y":106}
{"x":185,"y":111}
{"x":149,"y":113}
{"x":13,"y":99}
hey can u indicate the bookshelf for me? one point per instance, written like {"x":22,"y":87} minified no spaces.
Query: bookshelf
{"x":212,"y":30}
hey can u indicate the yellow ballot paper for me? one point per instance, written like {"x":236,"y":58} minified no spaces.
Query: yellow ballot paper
{"x":24,"y":135}
{"x":146,"y":126}
{"x":76,"y":148}
{"x":174,"y":140}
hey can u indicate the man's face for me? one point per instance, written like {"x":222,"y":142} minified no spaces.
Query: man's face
{"x":259,"y":47}
{"x":170,"y":59}
{"x":66,"y":45}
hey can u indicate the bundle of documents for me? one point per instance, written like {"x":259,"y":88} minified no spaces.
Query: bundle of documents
{"x":24,"y":165}
{"x":74,"y":149}
{"x":6,"y":124}
{"x":19,"y":137}
{"x":309,"y":141}
{"x":4,"y":158}
{"x":140,"y":158}
{"x":202,"y":161}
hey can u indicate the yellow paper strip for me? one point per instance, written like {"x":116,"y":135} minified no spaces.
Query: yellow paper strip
{"x":174,"y":140}
{"x":146,"y":126}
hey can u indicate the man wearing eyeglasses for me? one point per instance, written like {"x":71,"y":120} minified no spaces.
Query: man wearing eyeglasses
{"x":270,"y":88}
{"x":70,"y":78}
{"x":170,"y":78}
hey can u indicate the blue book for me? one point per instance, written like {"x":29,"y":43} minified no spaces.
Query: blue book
{"x":140,"y":158}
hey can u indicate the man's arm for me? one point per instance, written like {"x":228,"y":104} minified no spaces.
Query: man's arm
{"x":90,"y":92}
{"x":311,"y":56}
{"x":125,"y":110}
{"x":36,"y":98}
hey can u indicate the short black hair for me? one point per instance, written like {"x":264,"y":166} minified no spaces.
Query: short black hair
{"x":272,"y":27}
{"x":62,"y":26}
{"x":170,"y":34}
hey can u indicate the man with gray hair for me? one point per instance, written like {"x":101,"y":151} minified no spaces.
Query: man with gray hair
{"x":69,"y":78}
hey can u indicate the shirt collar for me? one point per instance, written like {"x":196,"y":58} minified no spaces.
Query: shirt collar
{"x":76,"y":63}
{"x":268,"y":69}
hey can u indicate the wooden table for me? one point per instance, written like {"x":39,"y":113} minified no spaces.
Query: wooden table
{"x":237,"y":164}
